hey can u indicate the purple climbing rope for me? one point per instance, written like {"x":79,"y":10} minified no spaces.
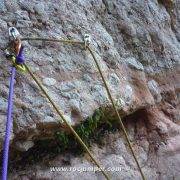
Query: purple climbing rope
{"x":20,"y":58}
{"x":8,"y":125}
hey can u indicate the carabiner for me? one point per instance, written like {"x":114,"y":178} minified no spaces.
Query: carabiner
{"x":87,"y":40}
{"x":13,"y":33}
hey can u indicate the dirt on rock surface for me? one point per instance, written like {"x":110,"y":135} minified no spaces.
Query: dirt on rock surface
{"x":137,"y":44}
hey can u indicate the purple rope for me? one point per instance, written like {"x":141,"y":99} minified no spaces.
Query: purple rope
{"x":8,"y":125}
{"x":20,"y":58}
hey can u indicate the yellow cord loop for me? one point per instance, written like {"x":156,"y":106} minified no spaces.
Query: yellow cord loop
{"x":86,"y":43}
{"x":65,"y":121}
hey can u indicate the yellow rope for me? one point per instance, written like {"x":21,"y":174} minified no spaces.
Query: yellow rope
{"x":107,"y":89}
{"x":117,"y":113}
{"x":53,"y":40}
{"x":65,"y":121}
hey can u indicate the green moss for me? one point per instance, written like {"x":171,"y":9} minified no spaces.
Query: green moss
{"x":91,"y":130}
{"x":63,"y":138}
{"x":87,"y":131}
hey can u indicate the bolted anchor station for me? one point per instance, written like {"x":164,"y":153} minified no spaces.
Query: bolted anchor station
{"x":14,"y":52}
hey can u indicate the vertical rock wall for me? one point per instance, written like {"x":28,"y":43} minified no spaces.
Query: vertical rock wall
{"x":136,"y":43}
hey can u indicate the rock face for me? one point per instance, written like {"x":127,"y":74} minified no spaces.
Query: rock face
{"x":137,"y":44}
